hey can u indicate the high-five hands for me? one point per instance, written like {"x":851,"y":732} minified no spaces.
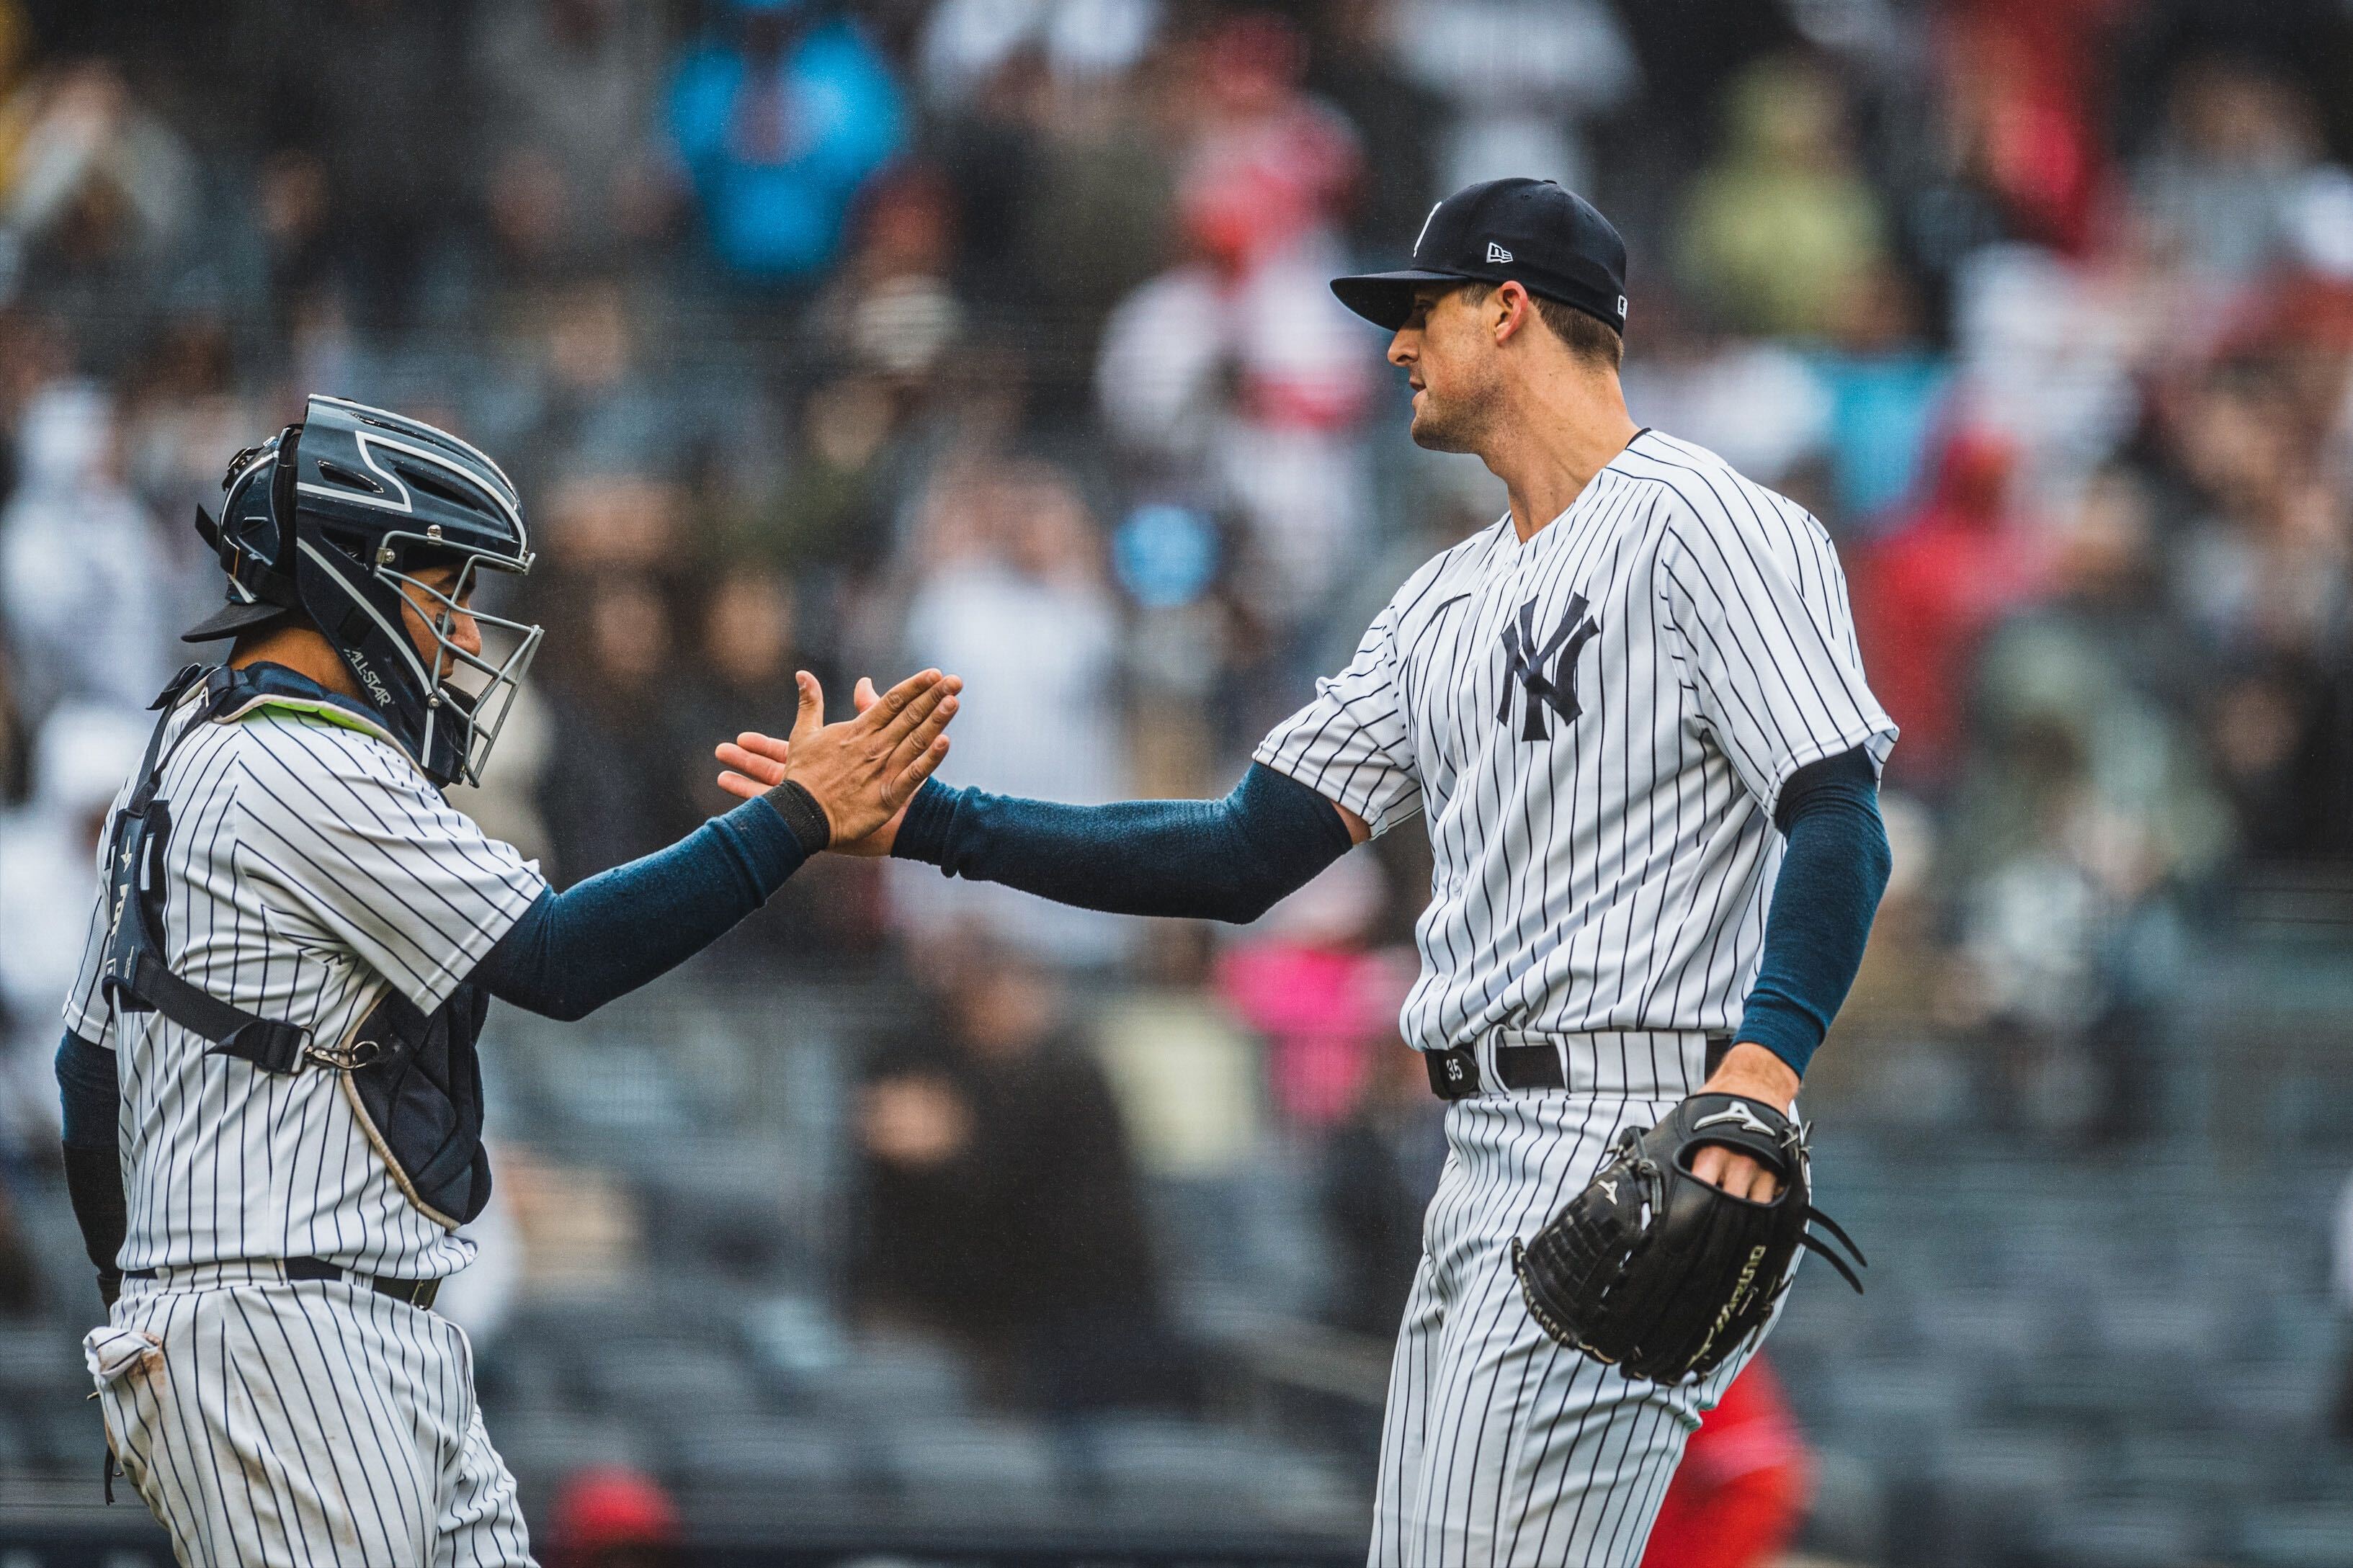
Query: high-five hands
{"x":862,"y":771}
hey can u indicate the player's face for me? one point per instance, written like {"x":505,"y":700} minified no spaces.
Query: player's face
{"x":1448,"y":356}
{"x":420,"y":612}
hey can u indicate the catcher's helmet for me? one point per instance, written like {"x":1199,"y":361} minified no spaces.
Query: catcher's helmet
{"x":328,"y":520}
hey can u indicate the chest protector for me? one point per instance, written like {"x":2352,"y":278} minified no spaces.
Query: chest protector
{"x":411,"y":1078}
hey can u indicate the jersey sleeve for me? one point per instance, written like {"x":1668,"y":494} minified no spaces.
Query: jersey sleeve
{"x":364,"y":856}
{"x":1756,"y":610}
{"x":1352,"y":744}
{"x":87,"y":1014}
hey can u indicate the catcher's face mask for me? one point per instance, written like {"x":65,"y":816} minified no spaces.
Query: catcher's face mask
{"x":475,"y":662}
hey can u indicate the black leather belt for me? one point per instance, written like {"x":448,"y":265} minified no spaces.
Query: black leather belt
{"x":417,"y":1293}
{"x":1454,"y":1074}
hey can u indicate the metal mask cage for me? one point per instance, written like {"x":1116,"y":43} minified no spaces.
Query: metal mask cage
{"x":469,"y":696}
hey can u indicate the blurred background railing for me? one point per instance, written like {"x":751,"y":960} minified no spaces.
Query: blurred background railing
{"x":922,"y":1221}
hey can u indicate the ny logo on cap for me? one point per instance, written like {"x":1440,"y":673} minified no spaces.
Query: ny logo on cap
{"x":1497,"y":252}
{"x":1524,"y":659}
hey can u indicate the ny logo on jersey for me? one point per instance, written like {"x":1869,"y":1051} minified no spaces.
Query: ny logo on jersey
{"x":1526,"y":660}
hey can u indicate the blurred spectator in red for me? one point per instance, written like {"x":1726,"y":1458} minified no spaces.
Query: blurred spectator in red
{"x":1925,"y":594}
{"x":1237,"y":375}
{"x":1783,"y":226}
{"x":1010,"y":593}
{"x":1001,"y":1208}
{"x":1741,"y":1492}
{"x":610,"y":1516}
{"x":1302,"y":978}
{"x":2021,"y":80}
{"x":572,"y":86}
{"x":778,"y":122}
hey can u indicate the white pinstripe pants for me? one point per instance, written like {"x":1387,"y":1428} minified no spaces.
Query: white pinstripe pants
{"x":301,"y":1423}
{"x":1499,"y":1445}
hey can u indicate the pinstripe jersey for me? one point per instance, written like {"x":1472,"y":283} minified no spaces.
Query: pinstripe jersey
{"x":311,"y":865}
{"x":1597,"y":723}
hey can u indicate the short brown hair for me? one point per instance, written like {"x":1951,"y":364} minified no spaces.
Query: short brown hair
{"x":1589,"y":337}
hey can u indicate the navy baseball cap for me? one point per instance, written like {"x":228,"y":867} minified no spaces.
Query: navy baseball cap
{"x":1550,"y":241}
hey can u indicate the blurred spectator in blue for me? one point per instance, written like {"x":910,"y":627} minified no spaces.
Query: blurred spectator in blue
{"x":779,"y":126}
{"x":573,"y":91}
{"x":1886,"y":387}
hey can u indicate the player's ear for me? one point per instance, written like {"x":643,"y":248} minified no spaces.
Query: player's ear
{"x":1509,"y":309}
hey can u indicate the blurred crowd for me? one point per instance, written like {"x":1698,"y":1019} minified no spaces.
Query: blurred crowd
{"x":859,"y":335}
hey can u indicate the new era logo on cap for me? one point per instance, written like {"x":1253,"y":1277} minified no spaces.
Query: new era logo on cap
{"x":1496,"y":252}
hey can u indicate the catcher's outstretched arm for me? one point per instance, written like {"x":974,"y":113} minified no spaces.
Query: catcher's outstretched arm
{"x":573,"y":952}
{"x":1226,"y":859}
{"x":1835,"y":868}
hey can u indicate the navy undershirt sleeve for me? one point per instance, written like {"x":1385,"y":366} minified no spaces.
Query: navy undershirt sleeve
{"x":1832,"y":874}
{"x":89,"y":1093}
{"x":1226,"y":859}
{"x":573,"y":952}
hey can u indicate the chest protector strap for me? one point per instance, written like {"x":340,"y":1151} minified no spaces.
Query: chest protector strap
{"x":136,"y":979}
{"x":412,"y":1078}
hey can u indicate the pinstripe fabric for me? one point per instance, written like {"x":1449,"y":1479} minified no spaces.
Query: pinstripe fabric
{"x":268,"y":1423}
{"x":310,"y":864}
{"x":1500,"y":1447}
{"x":1614,"y":874}
{"x":1595,"y":722}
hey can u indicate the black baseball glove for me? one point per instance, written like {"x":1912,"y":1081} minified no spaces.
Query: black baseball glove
{"x":1665,"y":1274}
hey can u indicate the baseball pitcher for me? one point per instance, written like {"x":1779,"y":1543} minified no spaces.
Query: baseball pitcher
{"x":1633,"y":718}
